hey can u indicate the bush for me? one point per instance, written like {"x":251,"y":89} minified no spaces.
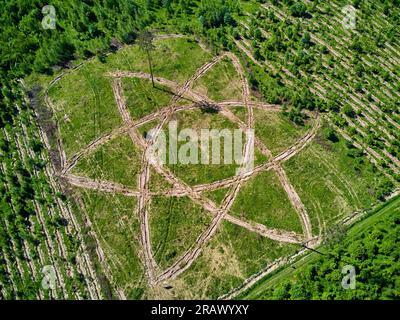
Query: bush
{"x":298,"y":10}
{"x":330,"y":134}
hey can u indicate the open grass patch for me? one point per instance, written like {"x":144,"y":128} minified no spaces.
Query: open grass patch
{"x":83,"y":100}
{"x":157,"y":182}
{"x":118,"y":161}
{"x":175,"y":59}
{"x":230,"y":257}
{"x":330,"y":183}
{"x":276,"y":131}
{"x":84,"y":106}
{"x":117,"y":227}
{"x":175,"y":225}
{"x":208,"y":172}
{"x":262,"y":199}
{"x":220,"y":83}
{"x":217,"y":195}
{"x":142,"y":98}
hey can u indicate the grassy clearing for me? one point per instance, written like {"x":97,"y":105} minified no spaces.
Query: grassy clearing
{"x":328,"y":183}
{"x":174,"y":59}
{"x":145,"y":128}
{"x":142,"y":98}
{"x":240,"y":112}
{"x":276,"y":131}
{"x":157,"y":183}
{"x":220,"y":83}
{"x":217,"y":195}
{"x":117,"y":227}
{"x":175,"y":225}
{"x":263,"y":199}
{"x":83,"y":99}
{"x":231,"y":257}
{"x":84,"y":106}
{"x":203,"y":173}
{"x":117,"y":161}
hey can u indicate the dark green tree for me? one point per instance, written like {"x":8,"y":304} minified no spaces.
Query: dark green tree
{"x":145,"y":41}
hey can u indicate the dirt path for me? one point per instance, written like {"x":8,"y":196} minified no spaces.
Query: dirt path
{"x":143,"y":198}
{"x":274,"y":234}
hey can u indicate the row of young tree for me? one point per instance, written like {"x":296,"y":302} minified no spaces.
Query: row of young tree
{"x":27,"y":235}
{"x":286,"y":44}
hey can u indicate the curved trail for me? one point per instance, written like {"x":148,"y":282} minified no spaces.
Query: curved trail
{"x":274,"y":234}
{"x":101,"y":185}
{"x":143,"y":198}
{"x":179,"y":187}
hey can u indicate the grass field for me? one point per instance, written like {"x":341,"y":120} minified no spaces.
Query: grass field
{"x":203,"y":173}
{"x":142,"y":98}
{"x":174,"y":59}
{"x":83,"y":101}
{"x":264,"y":200}
{"x":84,"y":106}
{"x":276,"y":131}
{"x":232,"y":256}
{"x":221,"y":83}
{"x":117,"y":227}
{"x":117,"y":161}
{"x":216,"y":195}
{"x":330,"y":183}
{"x":175,"y":225}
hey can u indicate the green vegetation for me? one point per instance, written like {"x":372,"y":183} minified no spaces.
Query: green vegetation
{"x":306,"y":59}
{"x":203,"y":173}
{"x":295,"y":53}
{"x":117,"y":227}
{"x":84,"y":106}
{"x":175,"y":59}
{"x":370,"y":246}
{"x":175,"y":225}
{"x":158,"y":183}
{"x":220,"y":83}
{"x":116,"y":161}
{"x":34,"y":228}
{"x":331,"y":183}
{"x":231,"y":257}
{"x":216,"y":195}
{"x":264,"y":200}
{"x":142,"y":98}
{"x":276,"y":131}
{"x":84,"y":103}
